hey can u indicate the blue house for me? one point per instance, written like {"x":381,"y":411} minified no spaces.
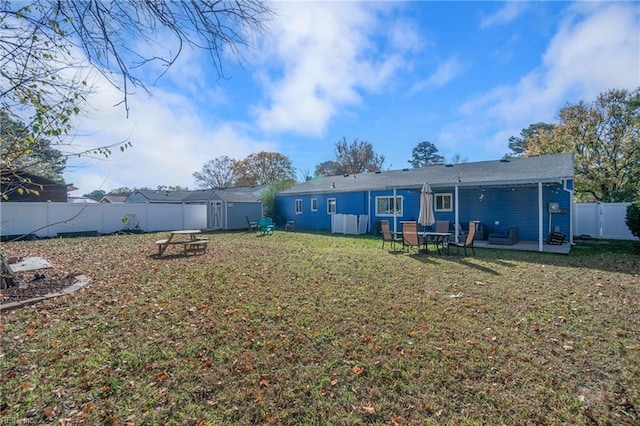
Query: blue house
{"x":533,"y":193}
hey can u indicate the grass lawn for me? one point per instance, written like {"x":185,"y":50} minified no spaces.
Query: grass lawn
{"x":299,"y":328}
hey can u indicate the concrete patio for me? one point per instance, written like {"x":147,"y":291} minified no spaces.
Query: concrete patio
{"x":526,"y":246}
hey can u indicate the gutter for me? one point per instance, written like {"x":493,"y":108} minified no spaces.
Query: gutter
{"x":439,"y":185}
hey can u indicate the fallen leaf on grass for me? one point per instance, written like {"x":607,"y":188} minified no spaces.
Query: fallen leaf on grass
{"x":162,"y":376}
{"x":366,"y":410}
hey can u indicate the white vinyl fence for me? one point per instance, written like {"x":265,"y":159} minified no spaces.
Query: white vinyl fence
{"x":602,"y":220}
{"x":349,"y":224}
{"x":598,"y":220}
{"x":50,"y":219}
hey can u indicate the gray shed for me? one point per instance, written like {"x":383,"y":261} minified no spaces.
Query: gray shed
{"x":227,"y":210}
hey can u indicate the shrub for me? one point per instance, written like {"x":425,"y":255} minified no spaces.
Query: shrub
{"x":270,"y":203}
{"x":633,"y":218}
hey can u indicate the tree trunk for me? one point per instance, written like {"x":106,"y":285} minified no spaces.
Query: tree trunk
{"x":7,"y":277}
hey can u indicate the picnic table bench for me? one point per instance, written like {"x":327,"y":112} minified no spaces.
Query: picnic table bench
{"x":193,"y":244}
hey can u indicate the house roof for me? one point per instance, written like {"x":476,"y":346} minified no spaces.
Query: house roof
{"x":517,"y":171}
{"x":161,"y":196}
{"x":199,"y":196}
{"x":114,"y":198}
{"x":237,"y":197}
{"x":241,"y":194}
{"x":37,"y":188}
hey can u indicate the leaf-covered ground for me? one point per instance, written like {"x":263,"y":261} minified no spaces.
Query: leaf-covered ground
{"x":299,"y":328}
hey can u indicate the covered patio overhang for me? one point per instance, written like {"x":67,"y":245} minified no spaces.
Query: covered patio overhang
{"x":539,"y":245}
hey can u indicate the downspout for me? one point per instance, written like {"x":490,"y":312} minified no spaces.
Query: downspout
{"x":395,"y":213}
{"x":540,"y":218}
{"x":571,"y":209}
{"x":456,"y":214}
{"x":369,"y":210}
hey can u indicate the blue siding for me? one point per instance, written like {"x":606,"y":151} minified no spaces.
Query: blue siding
{"x":346,"y":203}
{"x":510,"y":206}
{"x":517,"y":206}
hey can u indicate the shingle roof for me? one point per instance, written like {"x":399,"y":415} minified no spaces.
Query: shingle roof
{"x":163,"y":196}
{"x":200,"y":195}
{"x":237,"y":197}
{"x":546,"y":168}
{"x":236,"y":194}
{"x":113,"y":198}
{"x":243,"y":194}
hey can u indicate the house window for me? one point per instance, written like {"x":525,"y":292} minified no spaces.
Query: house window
{"x":331,"y":205}
{"x":314,"y":204}
{"x":388,"y":206}
{"x":298,"y":206}
{"x":444,"y":202}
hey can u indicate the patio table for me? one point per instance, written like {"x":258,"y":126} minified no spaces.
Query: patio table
{"x":440,"y":239}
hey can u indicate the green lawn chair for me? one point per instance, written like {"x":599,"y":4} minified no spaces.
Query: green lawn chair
{"x":266,"y":226}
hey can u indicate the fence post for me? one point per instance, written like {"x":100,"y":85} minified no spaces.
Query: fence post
{"x":104,"y":227}
{"x":599,"y":218}
{"x":49,"y":214}
{"x":146,"y":219}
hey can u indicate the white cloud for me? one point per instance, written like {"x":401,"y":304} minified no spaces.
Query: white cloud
{"x":510,"y":11}
{"x":171,"y":139}
{"x":322,"y":56}
{"x":599,"y":52}
{"x":447,"y":71}
{"x":596,"y":49}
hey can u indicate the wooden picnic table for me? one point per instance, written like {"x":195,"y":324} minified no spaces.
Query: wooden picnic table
{"x":191,"y":244}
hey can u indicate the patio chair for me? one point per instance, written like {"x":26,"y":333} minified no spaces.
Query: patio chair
{"x":556,"y":238}
{"x":252,"y":226}
{"x":410,"y":236}
{"x":511,"y":237}
{"x":458,"y":227}
{"x":387,"y":236}
{"x":468,"y":242}
{"x":266,"y":225}
{"x":441,"y":226}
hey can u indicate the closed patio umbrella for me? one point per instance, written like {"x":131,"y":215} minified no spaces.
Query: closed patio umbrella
{"x":426,"y":217}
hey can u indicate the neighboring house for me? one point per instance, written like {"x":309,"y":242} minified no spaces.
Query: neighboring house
{"x":534,"y":193}
{"x":156,"y":196}
{"x":226,"y":208}
{"x":114,"y":198}
{"x":34,"y":188}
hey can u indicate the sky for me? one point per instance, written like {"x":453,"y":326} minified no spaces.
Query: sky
{"x":464,"y":76}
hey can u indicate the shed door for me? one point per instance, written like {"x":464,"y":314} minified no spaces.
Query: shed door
{"x":215,"y":214}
